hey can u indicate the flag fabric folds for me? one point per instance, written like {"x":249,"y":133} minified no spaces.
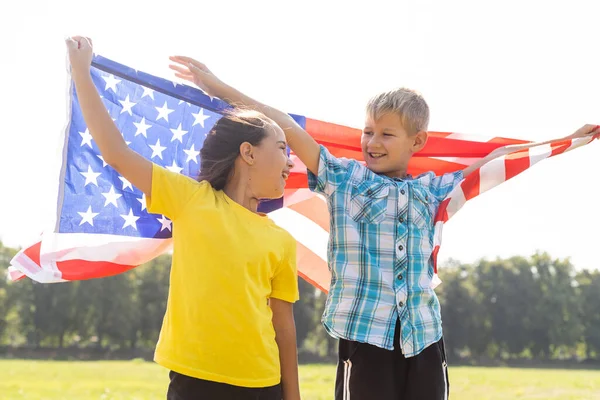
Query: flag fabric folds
{"x":101,"y":226}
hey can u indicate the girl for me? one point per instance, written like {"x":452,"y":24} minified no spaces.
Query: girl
{"x":228,"y":331}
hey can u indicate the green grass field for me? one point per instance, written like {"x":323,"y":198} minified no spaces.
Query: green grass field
{"x":143,"y":380}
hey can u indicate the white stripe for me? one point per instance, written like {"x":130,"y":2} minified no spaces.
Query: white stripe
{"x":347,"y":373}
{"x":435,"y":281}
{"x":118,"y":249}
{"x":21,"y":260}
{"x":345,"y":384}
{"x":457,"y":200}
{"x":444,"y":369}
{"x":575,"y":143}
{"x":538,"y":153}
{"x":469,"y":137}
{"x":437,"y":233}
{"x":14,"y":273}
{"x":57,"y":192}
{"x":29,"y":268}
{"x":293,"y":196}
{"x":466,"y":161}
{"x":492,"y":174}
{"x":303,"y":229}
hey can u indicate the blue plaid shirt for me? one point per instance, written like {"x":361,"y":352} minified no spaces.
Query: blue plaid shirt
{"x":379,"y":253}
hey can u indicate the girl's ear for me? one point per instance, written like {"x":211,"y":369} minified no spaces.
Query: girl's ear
{"x":247,"y":153}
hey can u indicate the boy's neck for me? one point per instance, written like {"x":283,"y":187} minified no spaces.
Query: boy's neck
{"x":401,"y":175}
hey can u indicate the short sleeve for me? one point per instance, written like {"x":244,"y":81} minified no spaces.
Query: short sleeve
{"x":441,"y":186}
{"x":170,"y":192}
{"x":332,"y":173}
{"x":285,"y":280}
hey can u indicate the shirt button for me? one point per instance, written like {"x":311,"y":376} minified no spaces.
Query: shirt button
{"x":403,"y":191}
{"x":400,"y":247}
{"x":400,"y":276}
{"x":401,"y":304}
{"x":401,"y":219}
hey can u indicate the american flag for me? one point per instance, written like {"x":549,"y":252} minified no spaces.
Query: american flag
{"x":101,"y":226}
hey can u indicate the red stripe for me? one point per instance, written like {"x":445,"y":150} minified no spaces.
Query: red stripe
{"x":560,"y":147}
{"x":74,"y":270}
{"x":442,"y":214}
{"x":315,"y":210}
{"x":15,"y":276}
{"x":434,"y":254}
{"x":442,"y":147}
{"x":470,"y":185}
{"x":33,"y":252}
{"x":516,"y":163}
{"x":312,"y":268}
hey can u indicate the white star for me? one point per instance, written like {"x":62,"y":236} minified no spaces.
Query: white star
{"x":200,"y":118}
{"x":180,"y":101}
{"x":111,"y":197}
{"x":87,"y":216}
{"x":175,"y":168}
{"x":178,"y":134}
{"x":127,"y":105}
{"x":148,"y":92}
{"x":142,"y":127}
{"x":157,"y":149}
{"x":104,"y":164}
{"x":163,"y":112}
{"x":90,"y":176}
{"x":130,"y":220}
{"x":86,"y":138}
{"x":143,"y":201}
{"x":126,"y":183}
{"x":111,"y":82}
{"x":192,"y":153}
{"x":166,"y":223}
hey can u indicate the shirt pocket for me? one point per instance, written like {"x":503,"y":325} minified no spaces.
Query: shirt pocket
{"x":369,"y":202}
{"x":423,"y":209}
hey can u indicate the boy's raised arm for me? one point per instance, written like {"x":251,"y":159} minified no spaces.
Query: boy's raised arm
{"x":305,"y":147}
{"x":586,"y":130}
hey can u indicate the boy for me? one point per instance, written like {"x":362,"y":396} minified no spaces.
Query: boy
{"x":381,"y":305}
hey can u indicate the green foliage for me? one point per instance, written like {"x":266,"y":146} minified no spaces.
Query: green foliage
{"x":524,"y":308}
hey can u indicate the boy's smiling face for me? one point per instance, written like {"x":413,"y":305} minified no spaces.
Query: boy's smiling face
{"x":387,"y":147}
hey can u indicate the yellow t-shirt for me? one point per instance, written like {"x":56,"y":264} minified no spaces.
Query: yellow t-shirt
{"x":227,"y":261}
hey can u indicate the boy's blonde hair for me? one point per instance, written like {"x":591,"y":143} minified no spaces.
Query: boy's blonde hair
{"x":407,"y":104}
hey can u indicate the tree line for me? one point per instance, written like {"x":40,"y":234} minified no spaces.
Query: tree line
{"x":519,"y":308}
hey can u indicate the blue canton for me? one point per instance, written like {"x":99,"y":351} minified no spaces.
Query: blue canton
{"x":163,"y":121}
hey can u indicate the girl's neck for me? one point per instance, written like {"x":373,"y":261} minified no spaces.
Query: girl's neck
{"x":238,"y":191}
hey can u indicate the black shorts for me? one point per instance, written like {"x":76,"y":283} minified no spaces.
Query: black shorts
{"x":183,"y":387}
{"x":367,"y":372}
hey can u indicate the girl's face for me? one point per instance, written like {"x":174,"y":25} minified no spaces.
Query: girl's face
{"x":271,"y":165}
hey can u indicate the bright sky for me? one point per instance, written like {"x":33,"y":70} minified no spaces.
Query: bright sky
{"x":522,"y":69}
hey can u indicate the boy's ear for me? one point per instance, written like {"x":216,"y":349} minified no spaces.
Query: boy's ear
{"x":420,"y":141}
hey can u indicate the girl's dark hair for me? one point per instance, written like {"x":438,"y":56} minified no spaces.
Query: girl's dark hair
{"x":222,"y":144}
